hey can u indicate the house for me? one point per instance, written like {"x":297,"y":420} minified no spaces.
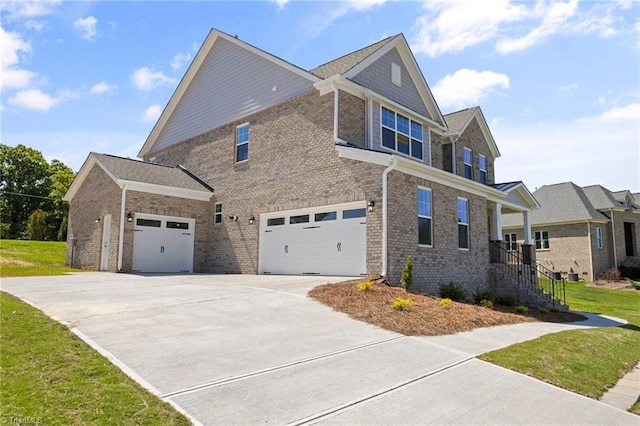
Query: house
{"x":257,"y":166}
{"x":581,"y":230}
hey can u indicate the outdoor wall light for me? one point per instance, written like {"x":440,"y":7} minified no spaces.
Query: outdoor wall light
{"x":129,"y":217}
{"x":234,"y":218}
{"x":252,"y":219}
{"x":97,"y":220}
{"x":370,"y":205}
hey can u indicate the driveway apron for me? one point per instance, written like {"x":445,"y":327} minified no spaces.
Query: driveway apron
{"x":245,"y":349}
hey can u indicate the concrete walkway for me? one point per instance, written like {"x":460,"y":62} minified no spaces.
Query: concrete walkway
{"x":626,"y":392}
{"x":240,"y":349}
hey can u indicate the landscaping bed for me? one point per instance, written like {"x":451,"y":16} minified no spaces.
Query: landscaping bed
{"x":426,"y":316}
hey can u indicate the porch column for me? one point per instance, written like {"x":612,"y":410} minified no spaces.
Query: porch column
{"x":527,"y":249}
{"x":496,"y":234}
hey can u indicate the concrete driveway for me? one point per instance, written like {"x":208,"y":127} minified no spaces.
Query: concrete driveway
{"x":239,"y":349}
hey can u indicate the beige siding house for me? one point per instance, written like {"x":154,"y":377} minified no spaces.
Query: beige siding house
{"x":257,"y":166}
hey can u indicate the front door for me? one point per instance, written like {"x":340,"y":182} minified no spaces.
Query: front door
{"x":629,"y":238}
{"x":106,"y":233}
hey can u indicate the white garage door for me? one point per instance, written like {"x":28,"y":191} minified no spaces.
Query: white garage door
{"x":329,"y":240}
{"x":162,"y":243}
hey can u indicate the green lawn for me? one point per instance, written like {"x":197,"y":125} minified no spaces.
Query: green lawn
{"x":49,"y":376}
{"x":587,"y":362}
{"x":32,"y":258}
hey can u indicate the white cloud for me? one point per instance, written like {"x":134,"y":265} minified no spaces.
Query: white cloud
{"x":146,"y":79}
{"x":36,"y":25}
{"x":316,"y":24}
{"x":25,"y":9}
{"x":452,"y":26}
{"x":12,"y":46}
{"x":179,"y":60}
{"x":152,"y":113}
{"x":467,"y":87}
{"x":280,"y":3}
{"x":35,"y":99}
{"x":569,"y":88}
{"x":16,"y":79}
{"x":629,"y":112}
{"x":103,"y":87}
{"x":86,"y":27}
{"x":555,"y":17}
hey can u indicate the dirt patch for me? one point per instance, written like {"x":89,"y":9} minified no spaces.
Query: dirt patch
{"x":615,"y":285}
{"x":426,"y":316}
{"x":16,"y":262}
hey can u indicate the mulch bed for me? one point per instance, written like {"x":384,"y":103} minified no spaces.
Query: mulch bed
{"x":426,"y":316}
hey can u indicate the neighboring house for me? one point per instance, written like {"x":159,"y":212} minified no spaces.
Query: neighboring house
{"x":345,"y":169}
{"x":584,"y":230}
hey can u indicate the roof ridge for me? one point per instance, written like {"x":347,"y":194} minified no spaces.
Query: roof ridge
{"x":131,"y":159}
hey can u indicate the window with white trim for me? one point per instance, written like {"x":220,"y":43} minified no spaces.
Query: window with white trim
{"x":542,"y":240}
{"x":468,"y":163}
{"x":512,"y":241}
{"x":242,"y":142}
{"x":599,"y":239}
{"x":217,"y":215}
{"x":482,"y":166}
{"x":463,"y":224}
{"x":425,"y":223}
{"x":401,"y":134}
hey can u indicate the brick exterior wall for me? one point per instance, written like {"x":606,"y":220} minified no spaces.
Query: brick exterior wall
{"x":97,"y":197}
{"x":351,"y":119}
{"x":473,"y":139}
{"x":438,"y":153}
{"x":602,"y":258}
{"x":619,"y":219}
{"x":568,"y":249}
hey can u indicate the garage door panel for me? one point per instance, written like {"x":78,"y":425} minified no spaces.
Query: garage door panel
{"x":163,"y":244}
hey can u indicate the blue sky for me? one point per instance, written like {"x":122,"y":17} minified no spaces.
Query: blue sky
{"x":558,"y":81}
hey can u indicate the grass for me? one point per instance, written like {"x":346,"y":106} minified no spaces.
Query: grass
{"x":49,"y":376}
{"x":587,"y":362}
{"x":32,"y":258}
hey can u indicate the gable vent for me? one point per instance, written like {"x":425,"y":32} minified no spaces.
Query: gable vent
{"x":396,"y":74}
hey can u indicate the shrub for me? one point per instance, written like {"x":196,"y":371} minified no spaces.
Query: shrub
{"x":482,"y":294}
{"x":406,"y":280}
{"x":401,"y":304}
{"x":543,"y":310}
{"x":554,"y":310}
{"x":37,"y":225}
{"x":365,"y":286}
{"x":506,"y":300}
{"x":521,"y":309}
{"x":611,"y":274}
{"x":453,"y":291}
{"x":445,"y":303}
{"x":486,"y":303}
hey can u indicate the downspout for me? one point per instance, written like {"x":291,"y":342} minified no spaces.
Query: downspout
{"x":121,"y":235}
{"x":593,"y":278}
{"x":613,"y":232}
{"x":385,"y":211}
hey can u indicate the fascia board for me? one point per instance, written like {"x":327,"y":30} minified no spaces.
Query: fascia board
{"x":82,"y":175}
{"x":568,"y":222}
{"x":150,"y":188}
{"x":371,"y":157}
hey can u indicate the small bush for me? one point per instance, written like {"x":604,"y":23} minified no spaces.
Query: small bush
{"x":401,"y":304}
{"x":406,"y":280}
{"x":486,"y":303}
{"x":521,"y":309}
{"x":543,"y":310}
{"x":445,"y":303}
{"x":611,"y":274}
{"x":453,"y":291}
{"x":554,"y":310}
{"x":506,"y":300}
{"x":635,"y":285}
{"x":482,"y":294}
{"x":365,"y":286}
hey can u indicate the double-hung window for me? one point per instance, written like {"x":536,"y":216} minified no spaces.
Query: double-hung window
{"x":511,"y":241}
{"x":463,"y":224}
{"x":401,"y":134}
{"x":542,"y":240}
{"x":242,"y":143}
{"x":217,"y":214}
{"x":425,"y":226}
{"x":482,"y":166}
{"x":468,"y":163}
{"x":599,"y":238}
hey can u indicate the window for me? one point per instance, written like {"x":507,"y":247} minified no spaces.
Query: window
{"x":351,"y":214}
{"x":627,"y":205}
{"x":304,"y":218}
{"x":148,"y":222}
{"x":177,"y":225}
{"x":217,"y":216}
{"x":242,"y":143}
{"x":512,"y":242}
{"x":542,"y":240}
{"x":323,"y":217}
{"x":425,"y":227}
{"x":396,"y":74}
{"x":401,"y":134}
{"x":275,"y":221}
{"x":482,"y":165}
{"x":463,"y":224}
{"x":599,"y":239}
{"x":468,"y":163}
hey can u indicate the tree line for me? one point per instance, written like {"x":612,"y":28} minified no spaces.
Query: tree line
{"x":31,"y":191}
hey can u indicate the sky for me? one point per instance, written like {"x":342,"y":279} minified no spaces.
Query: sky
{"x":558,"y":81}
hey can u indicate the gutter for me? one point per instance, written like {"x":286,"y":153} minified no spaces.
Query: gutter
{"x":593,"y":277}
{"x":385,"y":213}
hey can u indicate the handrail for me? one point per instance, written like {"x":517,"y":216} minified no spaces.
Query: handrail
{"x":536,"y":277}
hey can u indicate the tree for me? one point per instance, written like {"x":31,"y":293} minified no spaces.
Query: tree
{"x":61,"y":179}
{"x":406,"y":280}
{"x":37,"y":226}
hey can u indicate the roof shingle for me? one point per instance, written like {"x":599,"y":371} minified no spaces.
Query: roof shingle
{"x":348,"y":61}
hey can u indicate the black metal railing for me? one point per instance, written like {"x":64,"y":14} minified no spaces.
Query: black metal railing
{"x":516,"y":261}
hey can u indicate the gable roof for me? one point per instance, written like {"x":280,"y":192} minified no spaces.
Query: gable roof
{"x":518,"y":196}
{"x":562,"y":202}
{"x":459,"y":121}
{"x":144,"y":177}
{"x":208,"y":44}
{"x":344,"y":63}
